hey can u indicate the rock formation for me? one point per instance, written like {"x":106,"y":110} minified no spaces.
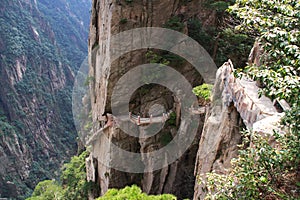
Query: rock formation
{"x":109,"y":18}
{"x":235,"y":106}
{"x":232,"y":108}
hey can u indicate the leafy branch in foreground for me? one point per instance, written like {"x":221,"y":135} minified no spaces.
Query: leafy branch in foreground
{"x":75,"y":186}
{"x":261,"y":171}
{"x":276,"y":25}
{"x":265,"y":170}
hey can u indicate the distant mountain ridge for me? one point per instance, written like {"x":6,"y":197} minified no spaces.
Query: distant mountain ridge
{"x":42,"y":44}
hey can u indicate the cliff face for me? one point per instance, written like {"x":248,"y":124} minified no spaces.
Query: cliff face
{"x":41,"y":45}
{"x":220,"y":136}
{"x":235,"y":106}
{"x":109,"y":18}
{"x":235,"y":103}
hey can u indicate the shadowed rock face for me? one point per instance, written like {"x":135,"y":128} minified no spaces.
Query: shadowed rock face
{"x":41,"y":45}
{"x":223,"y":121}
{"x":109,"y":18}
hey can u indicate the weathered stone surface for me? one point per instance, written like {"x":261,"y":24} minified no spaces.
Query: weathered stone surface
{"x":111,"y":17}
{"x":235,"y":105}
{"x":220,"y":136}
{"x":255,"y":54}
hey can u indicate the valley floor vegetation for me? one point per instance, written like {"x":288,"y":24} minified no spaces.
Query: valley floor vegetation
{"x":262,"y":170}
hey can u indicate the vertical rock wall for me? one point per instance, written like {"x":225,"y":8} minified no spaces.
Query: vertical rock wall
{"x":221,"y":132}
{"x":110,"y":17}
{"x":220,"y":136}
{"x":235,"y":105}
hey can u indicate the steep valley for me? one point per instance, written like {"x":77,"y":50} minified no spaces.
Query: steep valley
{"x":42,"y":44}
{"x":164,"y":105}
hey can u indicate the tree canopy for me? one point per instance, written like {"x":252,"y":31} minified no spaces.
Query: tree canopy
{"x":74,"y":184}
{"x":261,"y":170}
{"x":133,"y":193}
{"x":276,"y":26}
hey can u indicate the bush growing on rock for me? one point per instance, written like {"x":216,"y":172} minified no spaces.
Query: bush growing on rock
{"x":262,"y":170}
{"x":133,"y":193}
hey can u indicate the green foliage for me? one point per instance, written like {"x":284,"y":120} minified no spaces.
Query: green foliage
{"x":6,"y":128}
{"x":264,"y":171}
{"x":175,"y":24}
{"x":173,"y":59}
{"x":150,"y":75}
{"x":221,"y":42}
{"x":75,"y":185}
{"x":123,"y":21}
{"x":234,"y":45}
{"x":219,"y":6}
{"x":70,"y":38}
{"x":259,"y":170}
{"x":133,"y":193}
{"x":74,"y":178}
{"x":48,"y":42}
{"x":172,"y":119}
{"x":129,"y":1}
{"x":202,"y":36}
{"x":165,"y":138}
{"x":47,"y":190}
{"x":164,"y":58}
{"x":203,"y":91}
{"x":276,"y":24}
{"x":291,"y":120}
{"x":153,"y":57}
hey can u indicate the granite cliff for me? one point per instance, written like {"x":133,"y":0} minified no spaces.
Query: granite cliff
{"x":235,"y":104}
{"x":194,"y":18}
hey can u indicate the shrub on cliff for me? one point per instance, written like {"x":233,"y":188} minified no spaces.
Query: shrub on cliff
{"x":264,"y":171}
{"x":203,"y":92}
{"x":47,"y":190}
{"x":75,"y":186}
{"x":133,"y":193}
{"x":74,"y":180}
{"x":74,"y":183}
{"x":261,"y":171}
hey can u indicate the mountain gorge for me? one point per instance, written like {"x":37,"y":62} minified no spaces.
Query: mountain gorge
{"x":237,"y":104}
{"x":176,"y":99}
{"x":42,"y":45}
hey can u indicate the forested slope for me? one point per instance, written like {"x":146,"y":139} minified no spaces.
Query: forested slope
{"x":42,"y":43}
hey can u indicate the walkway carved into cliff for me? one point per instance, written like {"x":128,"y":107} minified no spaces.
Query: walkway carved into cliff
{"x":243,"y":93}
{"x":138,"y":120}
{"x":112,"y":121}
